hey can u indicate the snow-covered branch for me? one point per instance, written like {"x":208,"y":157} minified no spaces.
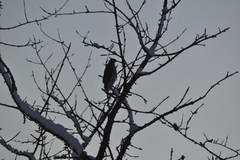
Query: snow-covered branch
{"x":55,"y":129}
{"x":71,"y":116}
{"x":29,"y":155}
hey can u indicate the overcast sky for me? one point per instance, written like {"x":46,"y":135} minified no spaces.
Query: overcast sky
{"x":199,"y":68}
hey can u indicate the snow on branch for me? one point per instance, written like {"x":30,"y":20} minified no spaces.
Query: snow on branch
{"x":151,"y":51}
{"x":55,"y":129}
{"x":133,"y":126}
{"x":17,"y":152}
{"x":71,"y":116}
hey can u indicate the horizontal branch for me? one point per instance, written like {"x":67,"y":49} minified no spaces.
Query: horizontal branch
{"x":29,"y":43}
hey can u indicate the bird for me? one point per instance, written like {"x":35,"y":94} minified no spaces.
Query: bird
{"x":110,"y":75}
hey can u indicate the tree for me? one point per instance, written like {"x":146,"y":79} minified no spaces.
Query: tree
{"x":68,"y":122}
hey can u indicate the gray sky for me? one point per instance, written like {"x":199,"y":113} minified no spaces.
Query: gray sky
{"x":199,"y":68}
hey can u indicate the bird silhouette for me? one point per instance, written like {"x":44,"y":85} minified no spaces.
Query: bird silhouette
{"x":110,"y":75}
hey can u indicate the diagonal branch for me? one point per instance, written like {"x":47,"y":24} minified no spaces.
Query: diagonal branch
{"x":55,"y":129}
{"x":27,"y":154}
{"x":187,"y":104}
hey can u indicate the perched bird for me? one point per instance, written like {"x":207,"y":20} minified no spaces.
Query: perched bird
{"x":110,"y":75}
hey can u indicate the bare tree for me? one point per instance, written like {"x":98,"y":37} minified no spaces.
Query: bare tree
{"x":93,"y":124}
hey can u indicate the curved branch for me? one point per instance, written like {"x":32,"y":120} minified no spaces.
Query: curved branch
{"x":29,"y":155}
{"x":55,"y":129}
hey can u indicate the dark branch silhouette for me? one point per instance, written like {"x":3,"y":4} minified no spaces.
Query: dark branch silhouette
{"x":92,"y":121}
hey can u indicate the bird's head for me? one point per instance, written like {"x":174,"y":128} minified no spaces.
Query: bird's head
{"x":112,"y":60}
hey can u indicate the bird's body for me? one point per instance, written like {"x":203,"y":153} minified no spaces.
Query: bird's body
{"x":110,"y":75}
